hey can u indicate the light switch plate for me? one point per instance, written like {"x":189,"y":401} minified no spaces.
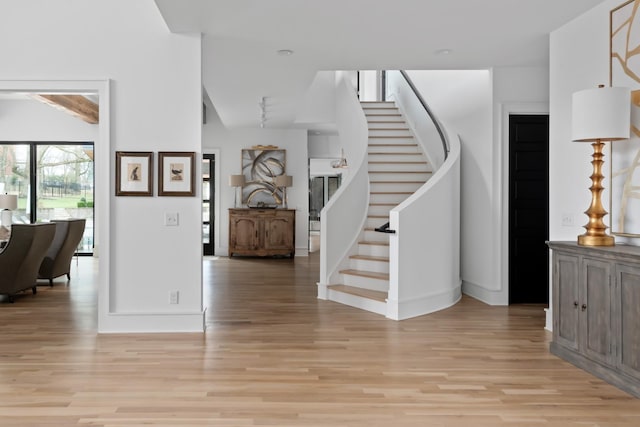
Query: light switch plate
{"x":171,"y":219}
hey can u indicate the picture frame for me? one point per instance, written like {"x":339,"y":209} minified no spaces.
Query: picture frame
{"x":624,"y":159}
{"x":260,"y":167}
{"x":176,"y":173}
{"x":134,"y":173}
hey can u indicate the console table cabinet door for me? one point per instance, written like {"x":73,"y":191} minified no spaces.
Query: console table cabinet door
{"x":566,"y":300}
{"x":277,"y":233}
{"x":244,"y":234}
{"x":595,"y":310}
{"x":262,"y":232}
{"x":628,"y":298}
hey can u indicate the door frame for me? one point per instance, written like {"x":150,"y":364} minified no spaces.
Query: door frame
{"x":102,"y":174}
{"x":216,"y":198}
{"x":501,"y":175}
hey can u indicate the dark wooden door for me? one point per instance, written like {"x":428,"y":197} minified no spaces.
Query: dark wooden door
{"x":208,"y":204}
{"x":528,"y":209}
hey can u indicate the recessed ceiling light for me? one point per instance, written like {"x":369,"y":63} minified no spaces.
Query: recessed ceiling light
{"x":443,"y":52}
{"x":285,"y":52}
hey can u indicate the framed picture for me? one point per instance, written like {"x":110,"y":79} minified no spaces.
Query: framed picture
{"x":134,"y":173}
{"x":260,"y":168}
{"x":176,"y":173}
{"x":624,"y":176}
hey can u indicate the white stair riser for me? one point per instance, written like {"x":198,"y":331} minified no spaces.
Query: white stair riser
{"x":398,"y":167}
{"x":391,"y":140}
{"x":395,"y":148}
{"x":375,"y":111}
{"x":375,"y":223}
{"x":388,"y":198}
{"x":373,"y":250}
{"x":389,"y":132}
{"x":365,"y":283}
{"x":375,"y":236}
{"x":395,"y":186}
{"x":422,"y":176}
{"x":376,"y":210}
{"x":369,"y":265}
{"x":382,"y":124}
{"x":395,"y":157}
{"x":377,"y":104}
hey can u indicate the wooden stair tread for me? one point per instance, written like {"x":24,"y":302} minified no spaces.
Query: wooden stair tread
{"x":391,"y":136}
{"x":397,"y":182}
{"x":390,"y":107}
{"x":382,"y":204}
{"x":387,"y":129}
{"x":400,"y":172}
{"x":377,"y":216}
{"x":360,"y":292}
{"x":383,"y":115}
{"x":391,"y":192}
{"x":397,"y":163}
{"x":367,"y":274}
{"x":370,"y":258}
{"x":392,"y":145}
{"x":385,"y":121}
{"x":395,"y":153}
{"x":370,"y":243}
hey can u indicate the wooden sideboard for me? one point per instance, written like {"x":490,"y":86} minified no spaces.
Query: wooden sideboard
{"x":262,"y":232}
{"x":596,"y":311}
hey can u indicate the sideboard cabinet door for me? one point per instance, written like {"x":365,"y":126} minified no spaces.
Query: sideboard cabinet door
{"x":595,"y":310}
{"x":628,"y":299}
{"x":566,"y":300}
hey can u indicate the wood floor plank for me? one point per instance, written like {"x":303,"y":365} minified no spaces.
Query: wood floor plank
{"x":275,"y":355}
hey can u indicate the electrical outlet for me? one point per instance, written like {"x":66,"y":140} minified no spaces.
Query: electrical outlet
{"x":171,"y":219}
{"x":174,"y":297}
{"x":568,"y":220}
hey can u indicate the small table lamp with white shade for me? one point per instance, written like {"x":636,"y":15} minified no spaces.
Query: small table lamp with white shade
{"x":8,"y":203}
{"x":599,"y":114}
{"x":284,"y":181}
{"x":236,"y":181}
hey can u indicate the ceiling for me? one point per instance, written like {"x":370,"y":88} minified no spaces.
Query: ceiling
{"x":241,"y":39}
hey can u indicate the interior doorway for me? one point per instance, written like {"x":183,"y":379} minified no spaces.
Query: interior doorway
{"x":528,"y":209}
{"x":208,"y":203}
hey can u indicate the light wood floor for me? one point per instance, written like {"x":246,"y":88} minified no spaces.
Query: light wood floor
{"x":274,"y":355}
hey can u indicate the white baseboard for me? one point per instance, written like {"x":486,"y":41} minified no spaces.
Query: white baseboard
{"x":419,"y":306}
{"x":485,"y":295}
{"x":152,"y":322}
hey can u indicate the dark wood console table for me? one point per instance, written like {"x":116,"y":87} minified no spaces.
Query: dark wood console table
{"x":596,"y":311}
{"x":262,"y":232}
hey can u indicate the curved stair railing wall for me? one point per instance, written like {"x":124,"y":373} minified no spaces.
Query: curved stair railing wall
{"x":424,"y":251}
{"x":344,"y":215}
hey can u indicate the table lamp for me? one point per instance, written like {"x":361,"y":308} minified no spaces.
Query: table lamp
{"x":236,"y":181}
{"x":284,"y":181}
{"x":8,"y":203}
{"x":599,"y":114}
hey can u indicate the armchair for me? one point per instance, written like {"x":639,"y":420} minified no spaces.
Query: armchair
{"x":57,"y":260}
{"x":21,"y":258}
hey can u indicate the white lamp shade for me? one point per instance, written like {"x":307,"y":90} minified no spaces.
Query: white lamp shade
{"x":8,"y":201}
{"x":601,"y":114}
{"x":284,"y":181}
{"x":236,"y":180}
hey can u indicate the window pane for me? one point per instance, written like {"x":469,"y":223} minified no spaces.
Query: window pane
{"x":14,"y":178}
{"x":65,"y":186}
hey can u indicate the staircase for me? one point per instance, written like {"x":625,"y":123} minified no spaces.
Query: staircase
{"x":397,"y":168}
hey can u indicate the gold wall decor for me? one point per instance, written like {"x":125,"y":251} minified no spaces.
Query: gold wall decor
{"x":624,"y":194}
{"x":260,"y":168}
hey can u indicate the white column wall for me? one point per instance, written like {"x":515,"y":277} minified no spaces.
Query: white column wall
{"x":155,"y":105}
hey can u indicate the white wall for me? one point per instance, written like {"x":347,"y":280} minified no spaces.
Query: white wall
{"x":324,"y":146}
{"x":579,"y":59}
{"x":155,"y":105}
{"x":230,"y":143}
{"x":32,"y":120}
{"x":473,"y":103}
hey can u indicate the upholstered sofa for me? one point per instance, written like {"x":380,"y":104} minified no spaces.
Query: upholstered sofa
{"x":21,"y":258}
{"x":57,"y":260}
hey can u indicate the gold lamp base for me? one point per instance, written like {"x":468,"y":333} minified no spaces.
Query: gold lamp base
{"x":584,"y":240}
{"x":596,"y":229}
